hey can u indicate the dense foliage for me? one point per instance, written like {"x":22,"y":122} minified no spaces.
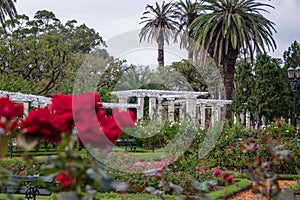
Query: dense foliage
{"x":43,"y":52}
{"x":262,"y":89}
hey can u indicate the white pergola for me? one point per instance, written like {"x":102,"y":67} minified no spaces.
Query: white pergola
{"x":189,"y":103}
{"x":28,"y":100}
{"x":36,"y":101}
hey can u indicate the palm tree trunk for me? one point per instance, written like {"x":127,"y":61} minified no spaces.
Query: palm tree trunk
{"x":229,"y":61}
{"x":160,"y":58}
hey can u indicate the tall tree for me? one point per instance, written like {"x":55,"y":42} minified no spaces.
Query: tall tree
{"x":271,"y":93}
{"x":244,"y":88}
{"x":263,"y":90}
{"x":160,"y":26}
{"x":230,"y":27}
{"x":187,"y":12}
{"x":7,"y":8}
{"x":291,"y":58}
{"x":45,"y":52}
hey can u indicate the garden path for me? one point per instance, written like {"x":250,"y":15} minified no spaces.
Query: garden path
{"x":248,"y":195}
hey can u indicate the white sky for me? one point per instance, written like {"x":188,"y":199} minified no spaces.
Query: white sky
{"x":115,"y":20}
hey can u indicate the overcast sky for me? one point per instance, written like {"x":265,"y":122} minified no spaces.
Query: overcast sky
{"x":114,"y":19}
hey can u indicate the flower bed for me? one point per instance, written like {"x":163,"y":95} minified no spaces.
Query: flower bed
{"x":73,"y":121}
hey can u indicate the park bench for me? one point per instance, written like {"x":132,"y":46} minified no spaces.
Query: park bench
{"x":26,"y":185}
{"x":127,"y":143}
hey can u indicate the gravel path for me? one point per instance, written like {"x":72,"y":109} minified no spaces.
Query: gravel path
{"x":248,"y":195}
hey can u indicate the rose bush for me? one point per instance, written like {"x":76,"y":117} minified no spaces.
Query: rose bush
{"x":71,"y":121}
{"x":9,"y":112}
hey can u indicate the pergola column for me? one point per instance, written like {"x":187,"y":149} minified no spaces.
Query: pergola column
{"x":263,"y":120}
{"x":159,"y":109}
{"x":140,"y":110}
{"x":242,"y":118}
{"x":213,"y":114}
{"x":171,"y":109}
{"x":191,"y":108}
{"x":248,"y":119}
{"x":234,"y":118}
{"x":152,"y":107}
{"x":26,"y":105}
{"x":123,"y":100}
{"x":203,"y":115}
{"x":181,"y":113}
{"x":217,"y":113}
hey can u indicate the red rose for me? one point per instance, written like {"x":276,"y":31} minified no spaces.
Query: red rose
{"x":217,"y":172}
{"x":62,"y":103}
{"x":7,"y":126}
{"x":62,"y":107}
{"x":63,"y":179}
{"x":110,"y":128}
{"x":87,"y":101}
{"x":40,"y":123}
{"x":227,"y":177}
{"x":125,"y":119}
{"x":10,"y":110}
{"x":86,"y":121}
{"x":89,"y":130}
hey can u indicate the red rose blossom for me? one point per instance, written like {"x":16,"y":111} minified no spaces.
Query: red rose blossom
{"x":62,"y":107}
{"x":110,"y":128}
{"x":86,"y":101}
{"x":125,"y":119}
{"x":217,"y":172}
{"x":10,"y":110}
{"x":63,"y":179}
{"x":41,"y":123}
{"x":227,"y":177}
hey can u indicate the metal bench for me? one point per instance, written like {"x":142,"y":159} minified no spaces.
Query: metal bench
{"x":128,"y":143}
{"x":30,"y":192}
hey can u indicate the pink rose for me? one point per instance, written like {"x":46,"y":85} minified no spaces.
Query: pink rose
{"x":217,"y":172}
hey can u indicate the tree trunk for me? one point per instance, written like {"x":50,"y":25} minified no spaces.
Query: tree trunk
{"x":229,"y":61}
{"x":160,"y":58}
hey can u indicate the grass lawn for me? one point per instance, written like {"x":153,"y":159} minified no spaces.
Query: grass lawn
{"x":232,"y":189}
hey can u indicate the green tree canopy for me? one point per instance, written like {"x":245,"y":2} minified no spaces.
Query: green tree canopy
{"x":45,"y":52}
{"x":263,"y":90}
{"x":229,"y":27}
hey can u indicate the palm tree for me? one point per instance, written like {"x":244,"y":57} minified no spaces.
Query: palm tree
{"x":187,"y":12}
{"x":160,"y":25}
{"x":230,"y":27}
{"x":7,"y":7}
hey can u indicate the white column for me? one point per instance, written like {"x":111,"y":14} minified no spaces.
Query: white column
{"x":203,"y":114}
{"x":191,"y":108}
{"x":181,"y":113}
{"x":123,"y":100}
{"x":263,"y":120}
{"x":242,"y":118}
{"x":26,"y":105}
{"x":213,"y":115}
{"x":218,"y":113}
{"x":152,"y":107}
{"x":159,"y":109}
{"x":140,"y":110}
{"x":247,"y":119}
{"x":234,"y":119}
{"x":171,"y":109}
